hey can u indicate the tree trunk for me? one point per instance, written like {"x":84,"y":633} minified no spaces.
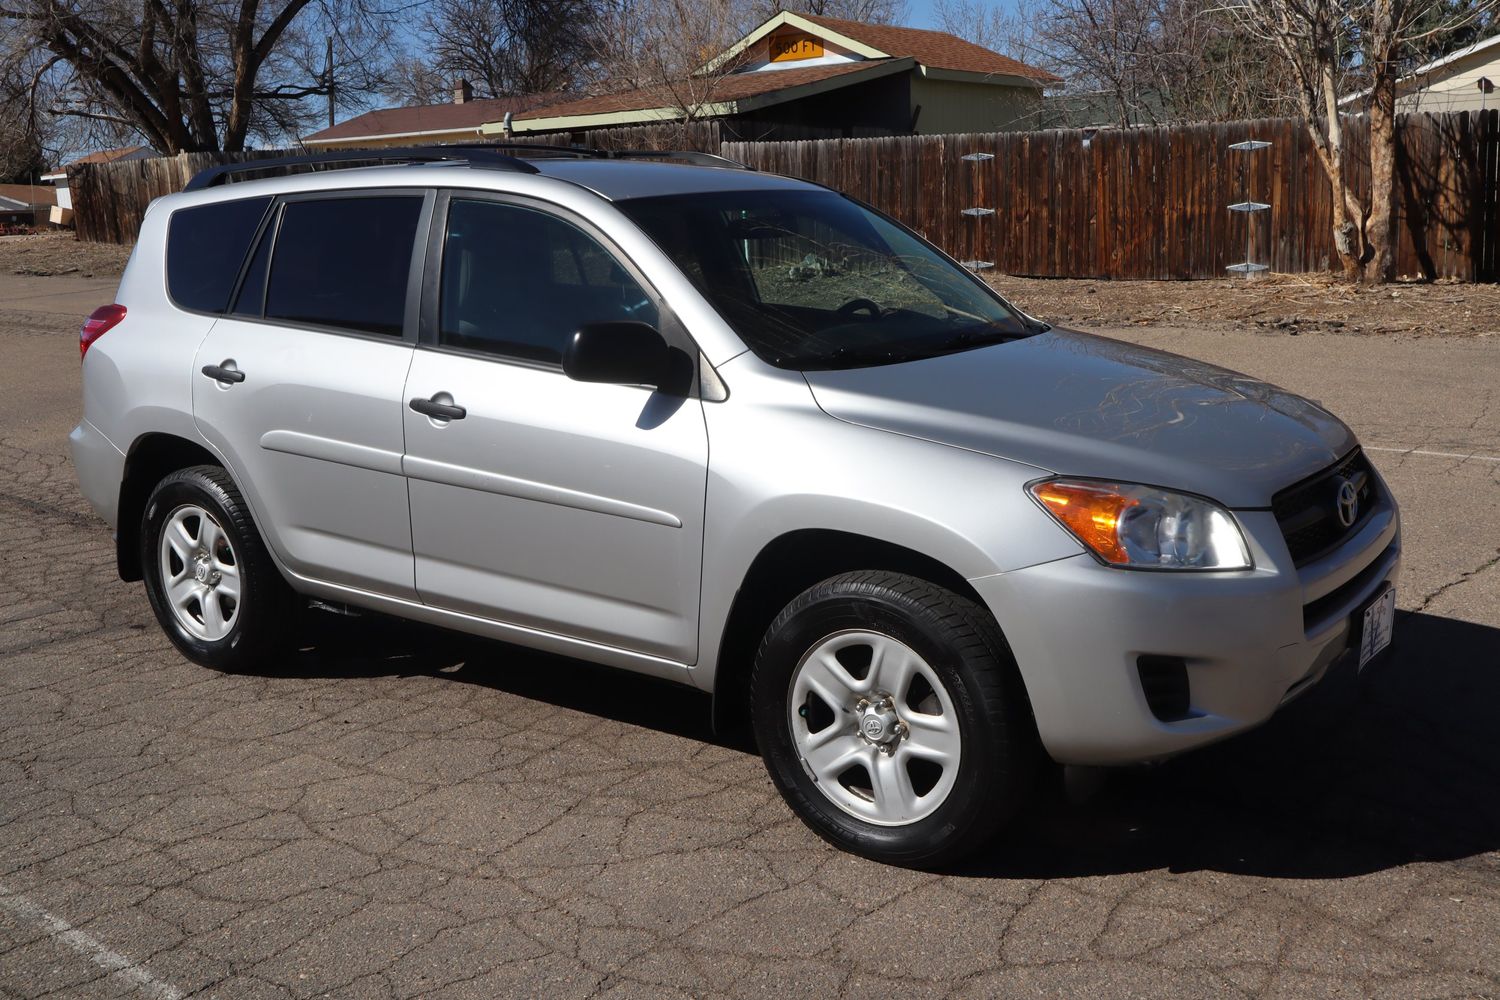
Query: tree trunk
{"x":1380,"y":232}
{"x":1345,"y":230}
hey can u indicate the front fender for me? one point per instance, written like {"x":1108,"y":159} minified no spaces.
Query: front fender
{"x":779,"y":464}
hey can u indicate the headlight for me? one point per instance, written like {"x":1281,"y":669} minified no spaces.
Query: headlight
{"x":1143,"y":527}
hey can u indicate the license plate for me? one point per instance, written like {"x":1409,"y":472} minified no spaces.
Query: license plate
{"x":1380,"y":620}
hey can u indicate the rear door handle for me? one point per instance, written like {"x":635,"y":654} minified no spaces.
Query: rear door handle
{"x":439,"y":411}
{"x":221,"y":374}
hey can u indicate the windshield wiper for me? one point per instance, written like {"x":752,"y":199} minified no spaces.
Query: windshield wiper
{"x":848,"y":357}
{"x":979,"y":338}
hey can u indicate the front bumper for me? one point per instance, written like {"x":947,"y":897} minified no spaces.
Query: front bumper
{"x":1250,"y":641}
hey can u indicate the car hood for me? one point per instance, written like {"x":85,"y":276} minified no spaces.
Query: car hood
{"x":1080,"y":405}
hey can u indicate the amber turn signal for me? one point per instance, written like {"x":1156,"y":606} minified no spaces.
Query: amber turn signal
{"x":1093,"y":513}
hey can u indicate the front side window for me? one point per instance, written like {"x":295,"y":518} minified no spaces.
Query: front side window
{"x":810,"y":279}
{"x":344,"y":262}
{"x":205,"y":247}
{"x":518,"y":282}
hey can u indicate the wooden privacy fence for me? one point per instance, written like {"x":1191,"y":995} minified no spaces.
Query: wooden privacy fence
{"x":1153,"y":202}
{"x":1135,"y":203}
{"x":110,"y":199}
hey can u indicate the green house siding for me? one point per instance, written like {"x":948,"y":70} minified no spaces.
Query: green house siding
{"x":962,"y":106}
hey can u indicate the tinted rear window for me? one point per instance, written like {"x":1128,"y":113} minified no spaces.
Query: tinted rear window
{"x":344,"y":262}
{"x":205,"y":248}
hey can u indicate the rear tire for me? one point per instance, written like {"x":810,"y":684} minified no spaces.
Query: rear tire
{"x":210,"y":580}
{"x":892,"y":719}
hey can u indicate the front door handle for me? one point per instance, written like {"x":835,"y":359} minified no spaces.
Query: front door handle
{"x":439,"y":411}
{"x":221,"y":374}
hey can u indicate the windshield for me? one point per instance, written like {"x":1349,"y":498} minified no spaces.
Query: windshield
{"x":812,"y":280}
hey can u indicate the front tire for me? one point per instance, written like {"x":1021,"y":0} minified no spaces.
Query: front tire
{"x":891,"y":718}
{"x":209,"y":578}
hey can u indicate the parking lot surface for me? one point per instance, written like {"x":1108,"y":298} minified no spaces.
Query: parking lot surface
{"x":395,"y":811}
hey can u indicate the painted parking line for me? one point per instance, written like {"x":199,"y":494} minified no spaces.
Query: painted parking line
{"x":113,"y":962}
{"x":1436,"y":454}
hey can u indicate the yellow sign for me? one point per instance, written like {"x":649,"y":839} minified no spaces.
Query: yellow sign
{"x":792,"y":48}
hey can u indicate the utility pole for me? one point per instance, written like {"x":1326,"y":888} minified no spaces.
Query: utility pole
{"x":328,"y":79}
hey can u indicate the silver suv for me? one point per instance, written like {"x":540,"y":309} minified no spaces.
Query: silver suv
{"x":733,"y":430}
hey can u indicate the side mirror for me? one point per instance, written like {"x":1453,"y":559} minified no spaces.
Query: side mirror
{"x":619,"y":353}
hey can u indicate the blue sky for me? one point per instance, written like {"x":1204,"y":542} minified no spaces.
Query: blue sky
{"x":919,"y":14}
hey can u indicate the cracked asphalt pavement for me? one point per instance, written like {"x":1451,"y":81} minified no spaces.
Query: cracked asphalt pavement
{"x":396,"y":811}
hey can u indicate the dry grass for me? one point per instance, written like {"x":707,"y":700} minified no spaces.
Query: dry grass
{"x":1286,"y":303}
{"x":59,"y":253}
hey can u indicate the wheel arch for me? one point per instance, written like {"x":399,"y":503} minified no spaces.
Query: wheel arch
{"x":151,"y":458}
{"x":784,"y":567}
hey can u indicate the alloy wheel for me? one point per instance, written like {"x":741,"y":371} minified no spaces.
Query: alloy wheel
{"x":200,"y":573}
{"x":874,"y":727}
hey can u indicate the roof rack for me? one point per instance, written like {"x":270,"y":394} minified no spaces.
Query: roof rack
{"x":685,"y":155}
{"x":592,"y":153}
{"x":480,"y":156}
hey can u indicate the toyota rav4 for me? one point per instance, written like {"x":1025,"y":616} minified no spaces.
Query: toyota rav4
{"x":730,"y":429}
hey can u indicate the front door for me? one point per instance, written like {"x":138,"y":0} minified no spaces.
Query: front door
{"x":560,"y":506}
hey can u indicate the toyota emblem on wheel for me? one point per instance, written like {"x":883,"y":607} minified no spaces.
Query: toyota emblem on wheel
{"x":1348,"y":504}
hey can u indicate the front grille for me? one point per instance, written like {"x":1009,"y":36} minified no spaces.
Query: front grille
{"x":1308,"y":512}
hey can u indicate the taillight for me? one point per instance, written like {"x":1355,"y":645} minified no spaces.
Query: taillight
{"x":100,"y":322}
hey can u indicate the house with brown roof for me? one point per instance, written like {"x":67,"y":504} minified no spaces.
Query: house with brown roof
{"x":457,"y":121}
{"x":25,"y":204}
{"x":59,"y":177}
{"x":803,"y":75}
{"x":795,"y":76}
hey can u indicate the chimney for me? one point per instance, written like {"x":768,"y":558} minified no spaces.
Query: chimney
{"x":463,"y":93}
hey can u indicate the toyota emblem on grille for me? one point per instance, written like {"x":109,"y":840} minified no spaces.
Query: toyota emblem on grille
{"x":1348,"y":504}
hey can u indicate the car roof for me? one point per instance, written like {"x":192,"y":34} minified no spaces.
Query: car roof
{"x":611,"y":179}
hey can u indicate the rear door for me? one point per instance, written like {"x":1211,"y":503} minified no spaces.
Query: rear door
{"x":561,"y":506}
{"x":299,"y":386}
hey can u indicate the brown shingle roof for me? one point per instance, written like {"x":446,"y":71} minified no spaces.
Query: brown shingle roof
{"x":29,"y":194}
{"x":103,"y":156}
{"x":432,"y":117}
{"x":936,"y":49}
{"x":736,"y":87}
{"x":109,"y":155}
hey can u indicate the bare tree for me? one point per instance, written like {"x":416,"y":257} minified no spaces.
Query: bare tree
{"x":1390,"y":32}
{"x":1146,"y":61}
{"x":665,"y":50}
{"x":1313,"y":40}
{"x":1011,"y":31}
{"x":1330,"y":48}
{"x":413,"y":80}
{"x":201,"y":75}
{"x":867,"y":11}
{"x":516,"y":46}
{"x":23,"y":134}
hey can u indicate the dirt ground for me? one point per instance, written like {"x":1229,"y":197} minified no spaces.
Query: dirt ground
{"x":1284,"y":304}
{"x":1289,"y":304}
{"x":59,"y":253}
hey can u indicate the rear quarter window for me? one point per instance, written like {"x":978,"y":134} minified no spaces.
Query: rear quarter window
{"x":206,"y":246}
